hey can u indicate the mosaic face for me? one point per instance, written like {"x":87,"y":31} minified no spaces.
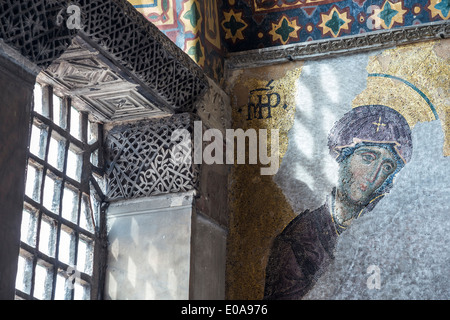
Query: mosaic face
{"x":371,"y":144}
{"x":363,"y":172}
{"x":299,"y":214}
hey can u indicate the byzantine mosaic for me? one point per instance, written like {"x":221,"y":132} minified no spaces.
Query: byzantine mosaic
{"x":256,"y":24}
{"x":208,"y":29}
{"x":193,"y":25}
{"x":305,"y":98}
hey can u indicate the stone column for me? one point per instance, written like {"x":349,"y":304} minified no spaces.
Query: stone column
{"x":210,"y":223}
{"x":17,"y":78}
{"x":167,"y":222}
{"x":165,"y":240}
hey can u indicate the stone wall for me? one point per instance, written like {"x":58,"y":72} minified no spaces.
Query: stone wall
{"x":16,"y":83}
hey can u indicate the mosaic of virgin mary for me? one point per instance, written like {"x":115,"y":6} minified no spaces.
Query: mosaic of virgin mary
{"x":371,"y":145}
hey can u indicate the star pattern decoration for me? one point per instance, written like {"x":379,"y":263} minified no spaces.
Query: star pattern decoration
{"x":388,"y":15}
{"x":191,"y":16}
{"x":439,"y":8}
{"x":195,"y":50}
{"x":284,"y":30}
{"x":233,"y":25}
{"x":335,"y":22}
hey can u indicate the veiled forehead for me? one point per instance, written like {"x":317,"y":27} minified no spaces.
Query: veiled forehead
{"x":381,"y":152}
{"x":372,"y":124}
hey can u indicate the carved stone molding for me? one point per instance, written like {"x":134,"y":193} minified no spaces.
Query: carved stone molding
{"x":120,"y":32}
{"x":214,"y":108}
{"x":37,"y":30}
{"x":349,"y":44}
{"x":90,"y":79}
{"x":30,"y":28}
{"x":139,"y":161}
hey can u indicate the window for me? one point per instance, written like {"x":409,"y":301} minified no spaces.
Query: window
{"x":62,"y":222}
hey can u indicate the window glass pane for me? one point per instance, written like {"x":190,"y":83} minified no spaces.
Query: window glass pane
{"x":96,"y":206}
{"x":52,"y":190}
{"x":66,"y":247}
{"x":42,"y":283}
{"x":37,"y":98}
{"x":94,"y":158}
{"x":84,"y":259}
{"x":82,"y":292}
{"x":101,"y":183}
{"x":70,"y":205}
{"x":60,"y":288}
{"x":58,"y":112}
{"x":23,"y":277}
{"x":56,"y":153}
{"x":75,"y":123}
{"x":20,"y":273}
{"x":33,"y":182}
{"x":28,"y":227}
{"x":38,"y":140}
{"x":92,"y":132}
{"x":85,"y":215}
{"x":74,"y":162}
{"x":47,"y":237}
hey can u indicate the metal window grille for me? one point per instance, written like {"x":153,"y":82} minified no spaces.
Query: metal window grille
{"x":62,"y":220}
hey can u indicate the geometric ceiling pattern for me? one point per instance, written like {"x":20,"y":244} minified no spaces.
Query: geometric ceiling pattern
{"x":193,"y":25}
{"x":42,"y":31}
{"x":255,"y":24}
{"x":84,"y":74}
{"x":209,"y":29}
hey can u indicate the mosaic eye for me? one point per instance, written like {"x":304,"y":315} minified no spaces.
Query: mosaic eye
{"x":368,"y":157}
{"x":388,"y":168}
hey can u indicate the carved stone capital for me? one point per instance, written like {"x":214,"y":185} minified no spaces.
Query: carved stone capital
{"x":123,"y":34}
{"x":140,"y":162}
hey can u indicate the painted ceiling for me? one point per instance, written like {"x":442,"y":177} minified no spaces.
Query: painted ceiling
{"x":209,"y":29}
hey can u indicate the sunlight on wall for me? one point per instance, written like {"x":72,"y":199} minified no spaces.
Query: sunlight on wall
{"x":329,"y":118}
{"x":303,"y":95}
{"x":304,"y":176}
{"x":149,"y":255}
{"x":131,"y":271}
{"x":304,"y":140}
{"x":329,"y":82}
{"x":330,"y":169}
